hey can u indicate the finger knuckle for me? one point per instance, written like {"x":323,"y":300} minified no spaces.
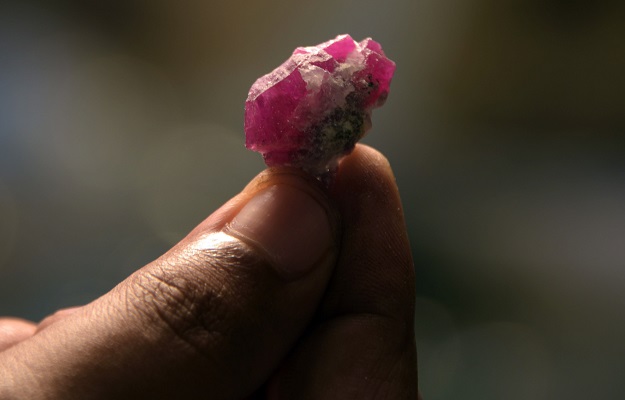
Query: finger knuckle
{"x":194,"y":292}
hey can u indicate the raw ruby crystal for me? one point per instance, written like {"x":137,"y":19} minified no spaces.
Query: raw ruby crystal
{"x":311,"y":110}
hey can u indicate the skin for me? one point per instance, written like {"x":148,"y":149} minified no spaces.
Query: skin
{"x":219,"y":316}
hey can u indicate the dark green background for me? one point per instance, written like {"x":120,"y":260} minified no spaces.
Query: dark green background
{"x":121,"y":127}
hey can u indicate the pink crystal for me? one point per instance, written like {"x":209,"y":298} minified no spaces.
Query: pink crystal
{"x":310,"y":111}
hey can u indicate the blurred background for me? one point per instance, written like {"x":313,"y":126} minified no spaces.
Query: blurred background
{"x":121,"y":127}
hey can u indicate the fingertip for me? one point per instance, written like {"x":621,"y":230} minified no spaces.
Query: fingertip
{"x":289,"y":227}
{"x":375,"y":235}
{"x":365,"y":173}
{"x":270,"y":177}
{"x":364,"y":345}
{"x":14,"y":330}
{"x":366,"y":159}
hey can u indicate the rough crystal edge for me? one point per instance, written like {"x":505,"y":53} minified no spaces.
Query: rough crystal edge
{"x":339,"y":49}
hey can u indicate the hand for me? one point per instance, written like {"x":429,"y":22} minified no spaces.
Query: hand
{"x":287,"y":291}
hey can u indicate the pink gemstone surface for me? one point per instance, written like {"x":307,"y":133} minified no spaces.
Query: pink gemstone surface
{"x":311,"y":110}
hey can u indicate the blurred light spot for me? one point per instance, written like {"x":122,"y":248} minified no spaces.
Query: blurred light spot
{"x":548,"y":225}
{"x":504,"y":361}
{"x":185,"y":175}
{"x":79,"y":107}
{"x":116,"y":103}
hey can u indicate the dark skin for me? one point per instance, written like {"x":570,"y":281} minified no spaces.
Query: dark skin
{"x":223,"y":316}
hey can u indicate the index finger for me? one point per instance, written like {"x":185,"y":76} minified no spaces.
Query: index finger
{"x":363,"y":344}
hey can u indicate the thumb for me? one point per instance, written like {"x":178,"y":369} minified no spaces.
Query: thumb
{"x":214,"y":316}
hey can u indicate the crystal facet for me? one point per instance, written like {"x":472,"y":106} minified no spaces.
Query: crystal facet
{"x":311,"y":110}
